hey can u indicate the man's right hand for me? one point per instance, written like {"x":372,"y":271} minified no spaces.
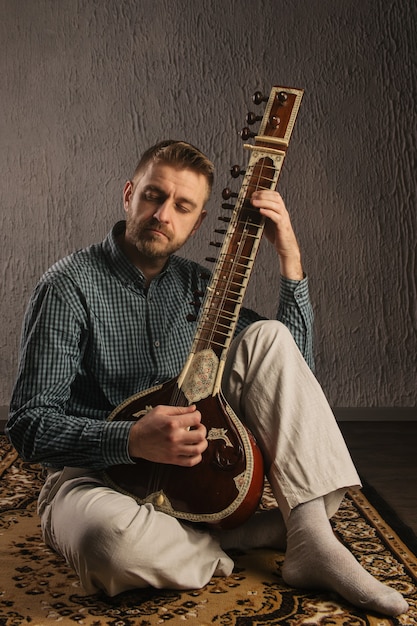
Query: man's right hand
{"x":169,"y":434}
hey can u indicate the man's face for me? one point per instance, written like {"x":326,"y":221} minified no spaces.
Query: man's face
{"x":164,"y":207}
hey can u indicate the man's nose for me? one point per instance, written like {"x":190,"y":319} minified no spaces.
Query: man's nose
{"x":163,"y":212}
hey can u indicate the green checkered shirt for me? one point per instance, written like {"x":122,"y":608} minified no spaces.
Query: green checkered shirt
{"x":93,"y":335}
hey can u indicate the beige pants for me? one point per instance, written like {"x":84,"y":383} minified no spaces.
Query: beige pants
{"x":114,"y":544}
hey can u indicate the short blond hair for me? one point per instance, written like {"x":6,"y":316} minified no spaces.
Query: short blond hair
{"x":178,"y":154}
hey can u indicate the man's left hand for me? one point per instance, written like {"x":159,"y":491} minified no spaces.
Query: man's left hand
{"x":279,"y":231}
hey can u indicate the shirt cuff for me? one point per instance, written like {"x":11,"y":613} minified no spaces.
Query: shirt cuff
{"x":115,"y":441}
{"x":294,"y":291}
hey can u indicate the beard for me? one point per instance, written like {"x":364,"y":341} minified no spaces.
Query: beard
{"x":150,"y":244}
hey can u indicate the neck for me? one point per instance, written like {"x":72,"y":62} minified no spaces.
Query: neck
{"x":150,"y":267}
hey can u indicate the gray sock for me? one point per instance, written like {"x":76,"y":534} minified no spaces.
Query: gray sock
{"x":315,"y":559}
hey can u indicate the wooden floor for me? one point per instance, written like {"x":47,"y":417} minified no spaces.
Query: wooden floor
{"x":385,"y":454}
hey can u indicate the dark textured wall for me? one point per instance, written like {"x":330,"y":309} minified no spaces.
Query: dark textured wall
{"x":87,"y":84}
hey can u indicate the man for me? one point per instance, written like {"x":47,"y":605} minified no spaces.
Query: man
{"x":109,"y":321}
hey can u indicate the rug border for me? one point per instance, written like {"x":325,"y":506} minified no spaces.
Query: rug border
{"x":405,"y":532}
{"x":385,"y":532}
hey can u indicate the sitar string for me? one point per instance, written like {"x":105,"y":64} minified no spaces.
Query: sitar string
{"x":234,"y":262}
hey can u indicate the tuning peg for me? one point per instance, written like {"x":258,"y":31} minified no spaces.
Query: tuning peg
{"x":224,"y":219}
{"x":236,"y":171}
{"x":205,"y":275}
{"x":282,"y":97}
{"x":216,"y":244}
{"x":228,"y":193}
{"x":198,"y":293}
{"x":246,"y":134}
{"x":211,"y":259}
{"x":252,"y":118}
{"x":258,"y":97}
{"x":228,"y":207}
{"x":191,"y":318}
{"x":220,"y":231}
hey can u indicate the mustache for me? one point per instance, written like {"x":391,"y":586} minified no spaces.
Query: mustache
{"x":155,"y":224}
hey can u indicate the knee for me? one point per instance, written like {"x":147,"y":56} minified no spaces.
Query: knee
{"x":99,"y":544}
{"x":104,"y":558}
{"x":265,"y":335}
{"x":97,"y":558}
{"x":258,"y":350}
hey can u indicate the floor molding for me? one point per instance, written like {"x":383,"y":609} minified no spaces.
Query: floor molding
{"x":376,"y":414}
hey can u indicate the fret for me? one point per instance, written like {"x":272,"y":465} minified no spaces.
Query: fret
{"x":229,"y":297}
{"x":222,"y":316}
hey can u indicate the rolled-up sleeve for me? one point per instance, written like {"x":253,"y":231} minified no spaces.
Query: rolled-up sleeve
{"x":296,"y":312}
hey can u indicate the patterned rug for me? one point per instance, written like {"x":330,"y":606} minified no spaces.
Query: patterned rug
{"x":37,"y":587}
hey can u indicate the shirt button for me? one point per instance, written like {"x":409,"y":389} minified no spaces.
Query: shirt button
{"x":156,"y":344}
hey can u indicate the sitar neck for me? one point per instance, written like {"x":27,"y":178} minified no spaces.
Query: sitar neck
{"x":221,"y":306}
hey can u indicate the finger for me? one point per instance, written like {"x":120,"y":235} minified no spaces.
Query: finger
{"x":189,"y":461}
{"x":190,"y":421}
{"x":192,"y":455}
{"x":267,"y":194}
{"x":273,"y":212}
{"x":192,"y":449}
{"x":180,"y":410}
{"x":267,"y":197}
{"x":180,"y":416}
{"x":196,"y":435}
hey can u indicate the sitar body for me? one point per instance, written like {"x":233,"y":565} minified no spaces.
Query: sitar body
{"x":224,"y":489}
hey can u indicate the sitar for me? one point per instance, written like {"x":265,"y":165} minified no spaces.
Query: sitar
{"x":225,"y":488}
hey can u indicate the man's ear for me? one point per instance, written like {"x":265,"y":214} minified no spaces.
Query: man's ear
{"x":127,"y":193}
{"x":199,"y":221}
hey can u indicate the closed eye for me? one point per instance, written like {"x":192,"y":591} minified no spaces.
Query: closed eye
{"x":182,"y":208}
{"x":152,"y":195}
